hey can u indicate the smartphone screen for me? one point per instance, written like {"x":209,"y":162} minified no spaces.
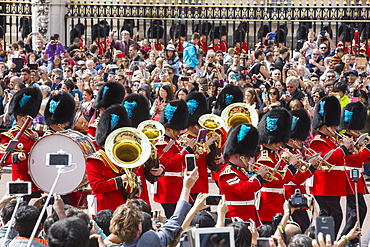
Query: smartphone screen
{"x":263,"y":242}
{"x":202,"y":135}
{"x":213,"y":200}
{"x":190,"y":162}
{"x":18,"y":189}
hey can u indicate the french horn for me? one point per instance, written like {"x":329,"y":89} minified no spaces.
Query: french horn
{"x":239,"y":113}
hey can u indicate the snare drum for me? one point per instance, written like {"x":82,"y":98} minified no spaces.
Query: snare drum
{"x":69,"y":141}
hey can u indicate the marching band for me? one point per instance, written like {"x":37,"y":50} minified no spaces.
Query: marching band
{"x":256,"y":167}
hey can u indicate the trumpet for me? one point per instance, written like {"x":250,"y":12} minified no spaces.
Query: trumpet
{"x":310,"y":153}
{"x":269,"y":177}
{"x":339,"y":137}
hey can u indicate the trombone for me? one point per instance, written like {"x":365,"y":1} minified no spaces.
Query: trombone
{"x":311,"y":153}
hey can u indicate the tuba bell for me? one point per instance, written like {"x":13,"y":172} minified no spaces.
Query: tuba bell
{"x":239,"y":113}
{"x":128,"y":148}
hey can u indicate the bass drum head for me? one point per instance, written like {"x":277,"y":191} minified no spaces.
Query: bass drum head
{"x":44,"y":176}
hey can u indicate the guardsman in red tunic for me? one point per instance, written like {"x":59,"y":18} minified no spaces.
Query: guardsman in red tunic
{"x":329,"y":186}
{"x":174,"y":118}
{"x":137,"y":108}
{"x":274,"y":130}
{"x":25,"y":103}
{"x":301,"y":125}
{"x":197,"y":106}
{"x":111,"y":93}
{"x":353,"y":120}
{"x":107,"y":180}
{"x":215,"y":37}
{"x":237,"y":181}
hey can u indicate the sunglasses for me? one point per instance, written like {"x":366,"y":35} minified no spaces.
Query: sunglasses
{"x":316,"y":96}
{"x":273,"y":93}
{"x":188,"y":74}
{"x":315,"y":54}
{"x":136,"y":84}
{"x":330,"y":76}
{"x":65,"y":64}
{"x":67,"y":71}
{"x":289,"y":86}
{"x":323,"y":48}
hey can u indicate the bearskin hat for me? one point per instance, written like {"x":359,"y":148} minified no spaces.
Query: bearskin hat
{"x":239,"y":35}
{"x":263,"y":31}
{"x":101,"y":29}
{"x":1,"y":32}
{"x":328,"y":30}
{"x":77,"y":31}
{"x":275,"y":126}
{"x":214,"y":33}
{"x":128,"y":25}
{"x":327,"y":112}
{"x":113,"y":118}
{"x":137,"y":108}
{"x":175,"y":115}
{"x":155,"y":32}
{"x":197,"y":106}
{"x":111,"y":93}
{"x":302,"y":32}
{"x":206,"y":27}
{"x":229,"y":94}
{"x":353,"y":116}
{"x":60,"y":109}
{"x":26,"y":102}
{"x":301,"y":124}
{"x":242,"y":140}
{"x":223,"y":30}
{"x":281,"y":36}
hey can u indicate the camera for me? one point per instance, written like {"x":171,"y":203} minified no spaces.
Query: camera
{"x":297,"y":200}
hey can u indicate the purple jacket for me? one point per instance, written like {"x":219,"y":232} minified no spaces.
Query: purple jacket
{"x":122,"y":46}
{"x":51,"y":51}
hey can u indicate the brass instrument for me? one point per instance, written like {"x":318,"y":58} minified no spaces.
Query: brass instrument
{"x":339,"y":137}
{"x":212,"y":123}
{"x":302,"y":164}
{"x":362,"y":141}
{"x":310,"y":153}
{"x":269,"y":177}
{"x":239,"y":113}
{"x":128,"y":148}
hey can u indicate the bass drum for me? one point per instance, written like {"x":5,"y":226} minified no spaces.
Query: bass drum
{"x":69,"y":141}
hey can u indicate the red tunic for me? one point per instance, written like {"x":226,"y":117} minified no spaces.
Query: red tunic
{"x":170,"y":185}
{"x":214,"y":47}
{"x":140,"y":171}
{"x":91,"y":132}
{"x":104,"y":180}
{"x":223,"y":46}
{"x":333,"y":183}
{"x":203,"y":45}
{"x":28,"y":139}
{"x":298,"y":179}
{"x":272,"y":203}
{"x":237,"y":186}
{"x":201,"y":185}
{"x":357,"y":161}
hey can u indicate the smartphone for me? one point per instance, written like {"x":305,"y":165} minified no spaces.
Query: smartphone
{"x":272,"y":35}
{"x":213,"y":200}
{"x":228,"y":221}
{"x":33,"y":66}
{"x":355,"y":173}
{"x":202,"y":135}
{"x":205,"y":88}
{"x":18,"y":188}
{"x":19,"y":62}
{"x":35,"y":33}
{"x":263,"y":242}
{"x":184,"y":78}
{"x":322,"y":33}
{"x":190,"y":162}
{"x":325,"y":225}
{"x":57,"y":159}
{"x":129,"y":72}
{"x":51,"y":202}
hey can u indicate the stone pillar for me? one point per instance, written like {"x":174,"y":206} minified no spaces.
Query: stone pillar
{"x":49,"y":16}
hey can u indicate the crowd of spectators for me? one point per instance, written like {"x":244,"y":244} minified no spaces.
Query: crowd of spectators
{"x":270,"y":76}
